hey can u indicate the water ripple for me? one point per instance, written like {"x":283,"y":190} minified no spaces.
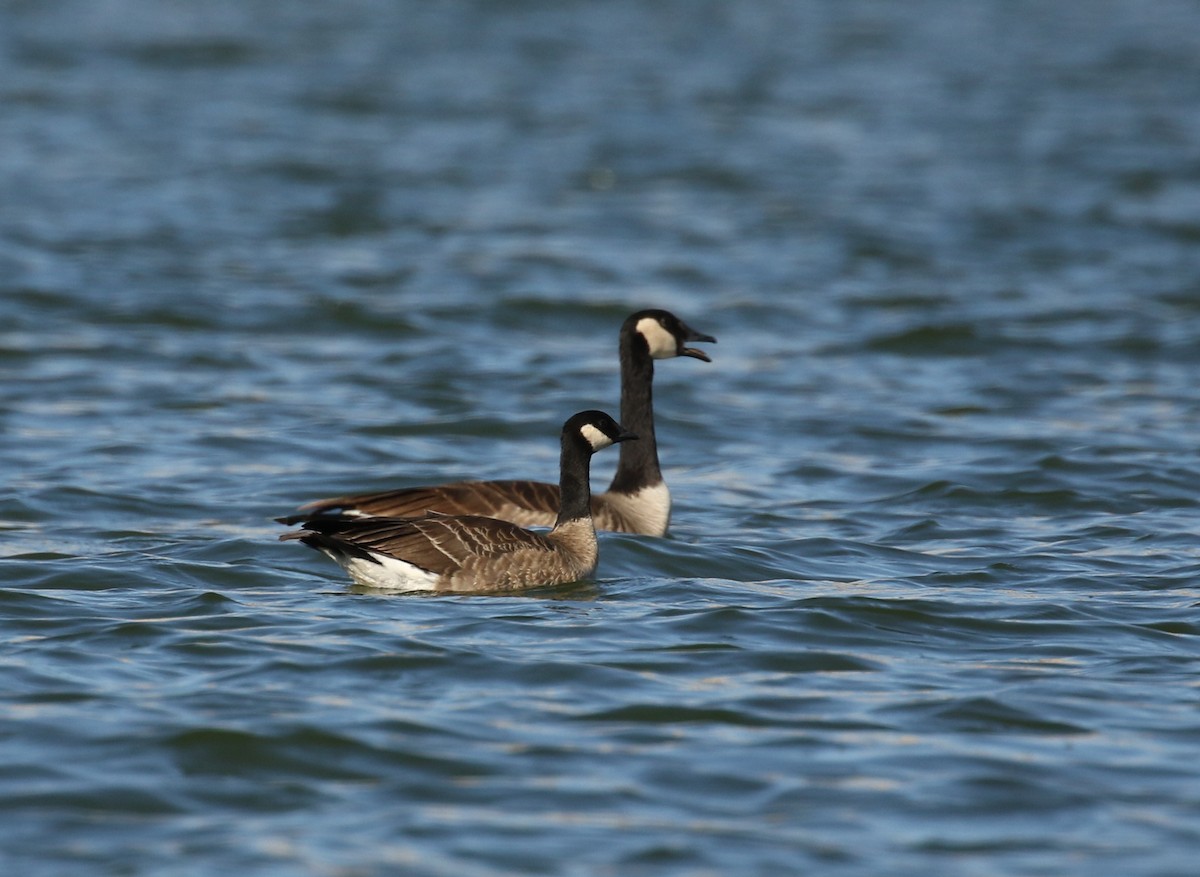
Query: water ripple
{"x":929,"y":603}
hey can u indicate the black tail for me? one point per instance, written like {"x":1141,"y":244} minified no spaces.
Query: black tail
{"x":321,"y":534}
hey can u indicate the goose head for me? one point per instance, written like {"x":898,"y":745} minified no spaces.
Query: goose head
{"x":665,"y":335}
{"x":595,"y":429}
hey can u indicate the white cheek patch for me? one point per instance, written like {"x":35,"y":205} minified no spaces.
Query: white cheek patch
{"x":662,"y":343}
{"x":595,"y":437}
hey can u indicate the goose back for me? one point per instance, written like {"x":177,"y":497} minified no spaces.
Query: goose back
{"x":646,"y":510}
{"x":527,"y":503}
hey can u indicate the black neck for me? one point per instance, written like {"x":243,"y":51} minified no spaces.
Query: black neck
{"x":638,"y":466}
{"x":575,"y":492}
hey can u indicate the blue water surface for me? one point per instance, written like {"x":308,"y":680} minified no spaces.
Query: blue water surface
{"x":930,"y":602}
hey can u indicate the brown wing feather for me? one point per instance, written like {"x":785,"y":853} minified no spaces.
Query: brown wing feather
{"x":530,"y":503}
{"x":527,"y":503}
{"x":442,"y":545}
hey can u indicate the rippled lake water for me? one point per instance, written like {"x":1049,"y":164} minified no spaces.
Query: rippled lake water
{"x":930,"y":604}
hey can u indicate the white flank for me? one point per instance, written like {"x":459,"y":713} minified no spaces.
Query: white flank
{"x":595,"y":437}
{"x":389,"y":574}
{"x":662,"y":343}
{"x":649,"y":509}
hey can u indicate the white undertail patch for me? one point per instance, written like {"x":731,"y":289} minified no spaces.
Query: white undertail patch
{"x":389,"y":574}
{"x":662,"y":344}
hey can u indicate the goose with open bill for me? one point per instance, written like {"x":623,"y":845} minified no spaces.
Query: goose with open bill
{"x":637,"y":500}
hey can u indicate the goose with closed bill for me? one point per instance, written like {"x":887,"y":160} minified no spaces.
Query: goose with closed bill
{"x":473,"y":553}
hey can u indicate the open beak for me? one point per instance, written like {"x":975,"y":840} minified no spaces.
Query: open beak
{"x":693,"y":335}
